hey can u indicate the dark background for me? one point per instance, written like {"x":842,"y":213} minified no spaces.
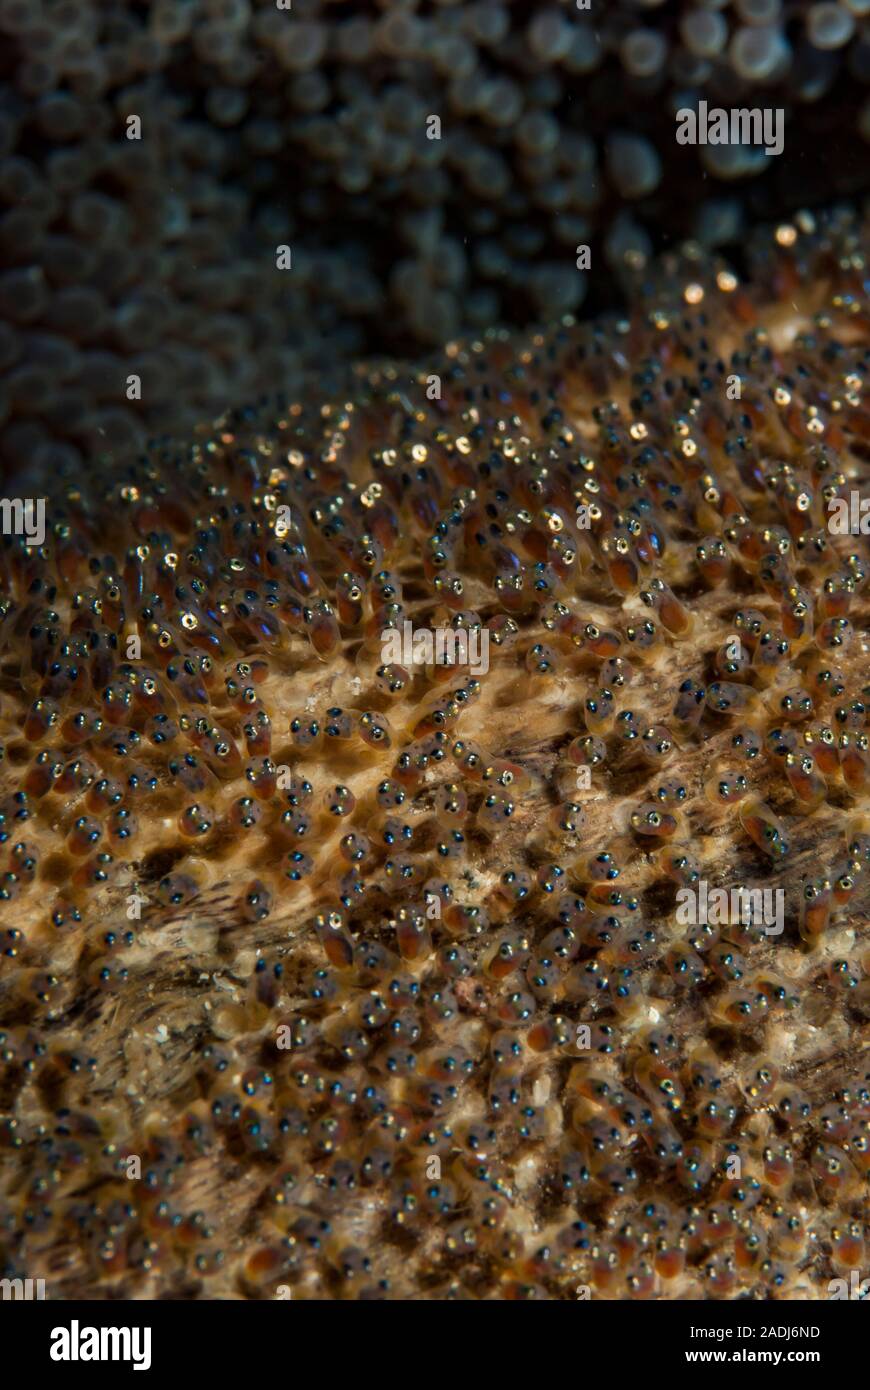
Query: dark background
{"x":307,"y":127}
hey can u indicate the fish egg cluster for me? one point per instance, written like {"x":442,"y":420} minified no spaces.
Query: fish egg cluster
{"x":365,"y":765}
